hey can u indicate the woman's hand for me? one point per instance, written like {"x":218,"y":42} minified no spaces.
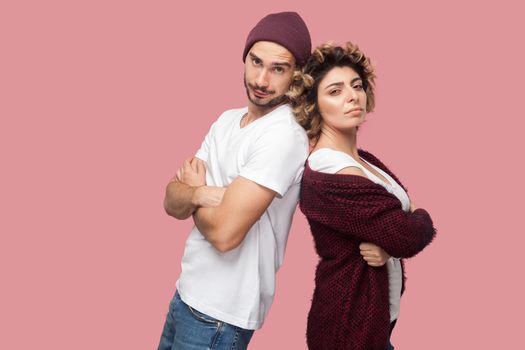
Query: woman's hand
{"x":373,"y":254}
{"x":412,"y":206}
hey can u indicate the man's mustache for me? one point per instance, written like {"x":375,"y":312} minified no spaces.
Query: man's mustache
{"x":261,"y":89}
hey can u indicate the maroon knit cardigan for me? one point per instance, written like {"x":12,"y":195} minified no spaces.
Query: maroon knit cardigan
{"x":350,"y":306}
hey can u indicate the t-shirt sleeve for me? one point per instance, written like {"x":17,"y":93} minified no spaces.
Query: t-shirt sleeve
{"x":276,"y":159}
{"x":203,"y":151}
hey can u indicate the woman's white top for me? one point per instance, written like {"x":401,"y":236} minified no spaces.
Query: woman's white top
{"x":330,"y":161}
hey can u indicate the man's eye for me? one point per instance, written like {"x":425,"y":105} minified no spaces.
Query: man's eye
{"x":256,"y":61}
{"x":278,"y":70}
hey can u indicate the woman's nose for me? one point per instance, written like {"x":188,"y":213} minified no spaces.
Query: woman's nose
{"x":352,"y":95}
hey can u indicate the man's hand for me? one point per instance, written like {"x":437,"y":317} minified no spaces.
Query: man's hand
{"x":192,"y":173}
{"x":181,"y":199}
{"x":373,"y":254}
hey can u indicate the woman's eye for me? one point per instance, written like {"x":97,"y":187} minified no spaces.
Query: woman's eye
{"x":333,"y":92}
{"x":256,"y":61}
{"x":358,"y":87}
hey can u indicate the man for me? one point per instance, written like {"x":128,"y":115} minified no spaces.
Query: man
{"x":242,"y":188}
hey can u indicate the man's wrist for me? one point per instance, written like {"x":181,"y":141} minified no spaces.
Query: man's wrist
{"x":196,"y":196}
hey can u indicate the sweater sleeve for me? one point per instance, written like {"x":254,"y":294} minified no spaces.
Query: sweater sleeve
{"x":368,"y":213}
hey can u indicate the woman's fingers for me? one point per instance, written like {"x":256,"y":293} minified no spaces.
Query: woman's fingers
{"x":371,"y":259}
{"x":370,"y":253}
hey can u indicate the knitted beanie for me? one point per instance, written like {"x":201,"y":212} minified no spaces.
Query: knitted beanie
{"x":286,"y":29}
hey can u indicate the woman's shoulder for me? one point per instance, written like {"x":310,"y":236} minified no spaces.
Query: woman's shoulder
{"x":331,"y":154}
{"x":331,"y":161}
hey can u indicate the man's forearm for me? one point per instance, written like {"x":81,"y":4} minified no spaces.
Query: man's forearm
{"x":179,"y":200}
{"x":214,"y":226}
{"x":205,"y":221}
{"x":226,"y":224}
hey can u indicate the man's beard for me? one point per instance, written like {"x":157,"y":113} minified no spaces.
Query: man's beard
{"x":271,"y":103}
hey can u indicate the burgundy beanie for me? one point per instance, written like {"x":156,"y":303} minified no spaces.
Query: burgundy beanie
{"x":286,"y":29}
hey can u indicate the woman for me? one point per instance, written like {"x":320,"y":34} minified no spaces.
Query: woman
{"x":359,"y":213}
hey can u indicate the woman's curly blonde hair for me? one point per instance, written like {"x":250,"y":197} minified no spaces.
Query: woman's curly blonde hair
{"x":305,"y":83}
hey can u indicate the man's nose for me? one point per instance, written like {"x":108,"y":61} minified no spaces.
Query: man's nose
{"x":262,"y":78}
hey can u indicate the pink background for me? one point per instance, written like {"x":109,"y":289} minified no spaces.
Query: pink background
{"x":100,"y":102}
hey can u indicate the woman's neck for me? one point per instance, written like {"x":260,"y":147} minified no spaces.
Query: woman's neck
{"x":344,"y":141}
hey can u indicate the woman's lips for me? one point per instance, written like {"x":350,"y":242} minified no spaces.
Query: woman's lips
{"x":354,"y":110}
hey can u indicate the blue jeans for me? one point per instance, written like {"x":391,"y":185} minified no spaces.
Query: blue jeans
{"x":389,"y":345}
{"x":188,"y":329}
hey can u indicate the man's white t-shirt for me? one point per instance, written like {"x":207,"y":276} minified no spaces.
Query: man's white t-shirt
{"x":238,"y":286}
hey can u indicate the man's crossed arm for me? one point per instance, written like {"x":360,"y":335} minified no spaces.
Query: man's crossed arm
{"x":223,"y":215}
{"x":187,"y":190}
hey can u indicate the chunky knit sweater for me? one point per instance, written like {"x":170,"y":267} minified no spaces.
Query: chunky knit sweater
{"x":350,"y":306}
